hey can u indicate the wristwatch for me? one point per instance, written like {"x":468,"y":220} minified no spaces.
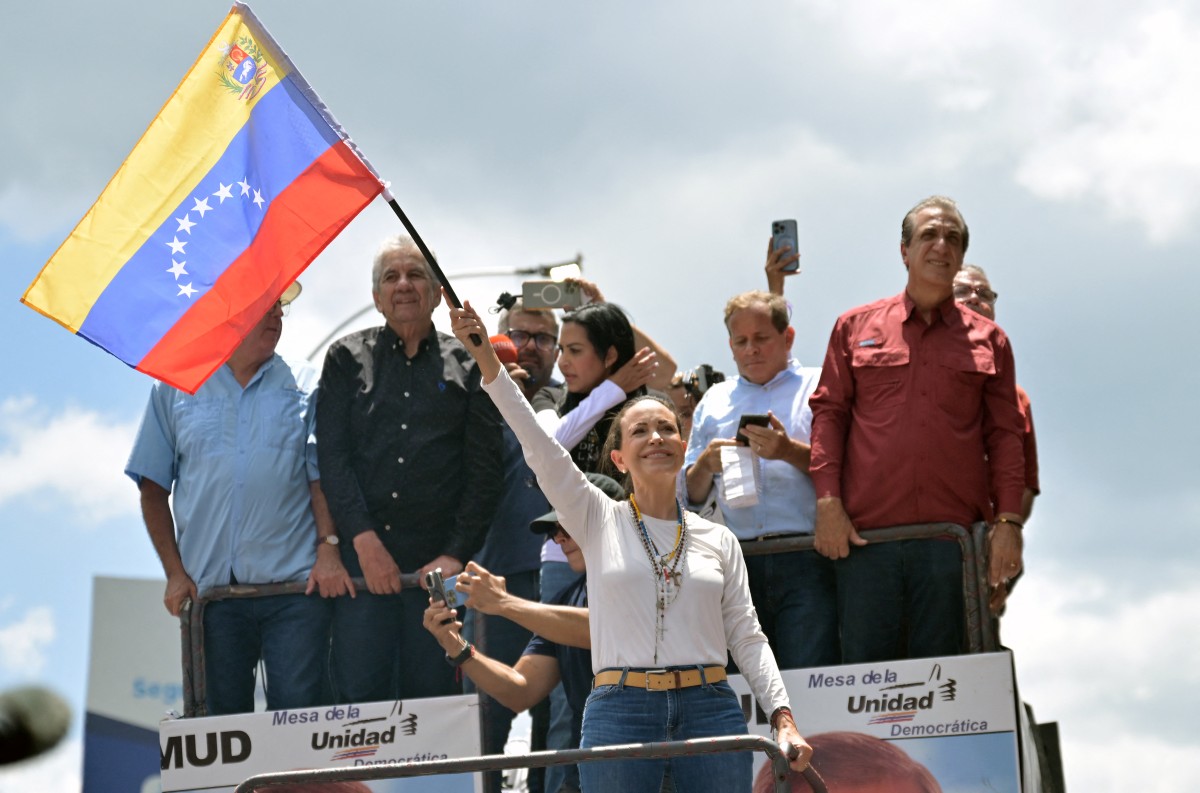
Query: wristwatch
{"x":329,"y":539}
{"x":468,"y":651}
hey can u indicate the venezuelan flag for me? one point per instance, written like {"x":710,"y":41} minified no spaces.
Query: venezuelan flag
{"x":240,"y":181}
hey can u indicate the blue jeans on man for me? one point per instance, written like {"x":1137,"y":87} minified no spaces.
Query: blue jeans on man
{"x":289,"y":633}
{"x":795,"y":595}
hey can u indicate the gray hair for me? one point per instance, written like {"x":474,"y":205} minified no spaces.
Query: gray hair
{"x":401,"y":244}
{"x":975,"y":269}
{"x":519,"y":308}
{"x":908,"y":226}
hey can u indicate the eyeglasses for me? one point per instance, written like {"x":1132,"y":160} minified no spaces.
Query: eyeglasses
{"x":544,"y":341}
{"x":964,"y":291}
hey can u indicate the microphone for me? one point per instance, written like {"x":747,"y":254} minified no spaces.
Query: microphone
{"x":506,"y":351}
{"x":32,"y":720}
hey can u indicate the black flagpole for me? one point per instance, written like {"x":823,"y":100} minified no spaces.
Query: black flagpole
{"x":437,"y":271}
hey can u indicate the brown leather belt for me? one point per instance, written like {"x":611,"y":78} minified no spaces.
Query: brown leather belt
{"x":661,"y":679}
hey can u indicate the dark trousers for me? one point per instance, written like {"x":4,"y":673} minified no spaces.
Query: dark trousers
{"x":795,"y":595}
{"x":901,"y":599}
{"x":381,"y":651}
{"x":289,"y":633}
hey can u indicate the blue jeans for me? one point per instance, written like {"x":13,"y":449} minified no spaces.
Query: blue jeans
{"x":557,"y":576}
{"x":503,"y":640}
{"x":289,"y":633}
{"x":795,"y":595}
{"x":381,"y":651}
{"x":616,"y":715}
{"x":901,"y":599}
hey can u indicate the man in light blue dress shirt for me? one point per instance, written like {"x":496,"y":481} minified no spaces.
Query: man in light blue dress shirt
{"x":248,"y":509}
{"x":794,"y":593}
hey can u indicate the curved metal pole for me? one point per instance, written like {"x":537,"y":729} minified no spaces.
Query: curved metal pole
{"x":776,"y":755}
{"x":333,"y":334}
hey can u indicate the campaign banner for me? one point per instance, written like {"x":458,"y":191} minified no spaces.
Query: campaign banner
{"x":954,"y":718}
{"x":134,"y":678}
{"x":220,"y":752}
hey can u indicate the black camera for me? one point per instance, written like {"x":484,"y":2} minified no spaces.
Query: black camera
{"x":696,"y":381}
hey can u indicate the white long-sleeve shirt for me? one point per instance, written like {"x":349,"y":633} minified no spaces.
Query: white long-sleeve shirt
{"x":713,"y":611}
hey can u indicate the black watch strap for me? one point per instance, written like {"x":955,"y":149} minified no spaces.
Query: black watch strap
{"x":460,"y":659}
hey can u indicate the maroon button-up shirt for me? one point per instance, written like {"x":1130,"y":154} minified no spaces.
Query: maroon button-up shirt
{"x":1029,"y":442}
{"x":916,"y":422}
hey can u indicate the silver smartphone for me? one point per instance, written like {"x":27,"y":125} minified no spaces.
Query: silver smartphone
{"x":440,"y":589}
{"x":550,"y":294}
{"x":783,"y":232}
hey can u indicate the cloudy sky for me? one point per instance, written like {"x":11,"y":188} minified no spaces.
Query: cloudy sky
{"x":660,"y":140}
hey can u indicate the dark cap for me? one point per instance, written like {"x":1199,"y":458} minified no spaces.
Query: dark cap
{"x":547,"y":523}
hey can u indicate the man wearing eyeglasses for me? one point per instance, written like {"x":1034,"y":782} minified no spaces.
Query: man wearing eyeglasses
{"x":248,"y":509}
{"x":973,"y":290}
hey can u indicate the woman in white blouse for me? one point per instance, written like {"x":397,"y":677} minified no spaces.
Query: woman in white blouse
{"x":667,"y":596}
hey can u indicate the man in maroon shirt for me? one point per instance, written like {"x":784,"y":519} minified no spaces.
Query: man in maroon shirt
{"x":973,"y":290}
{"x":915,"y":421}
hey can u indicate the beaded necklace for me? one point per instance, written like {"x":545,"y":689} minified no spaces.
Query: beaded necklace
{"x":666,"y":568}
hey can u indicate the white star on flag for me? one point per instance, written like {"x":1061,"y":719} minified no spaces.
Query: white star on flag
{"x":185,"y":223}
{"x":177,"y":269}
{"x":223,"y":193}
{"x":258,"y":199}
{"x":175,"y":245}
{"x":186,"y":289}
{"x":201,"y":206}
{"x":245,"y":186}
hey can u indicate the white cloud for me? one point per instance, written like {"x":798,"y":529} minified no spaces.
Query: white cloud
{"x":59,"y":771}
{"x":76,"y":455}
{"x":1126,"y":134}
{"x":1094,"y":104}
{"x":1118,"y":676}
{"x":23,"y":643}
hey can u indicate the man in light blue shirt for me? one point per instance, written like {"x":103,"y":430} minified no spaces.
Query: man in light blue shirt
{"x":794,"y":593}
{"x":248,"y":509}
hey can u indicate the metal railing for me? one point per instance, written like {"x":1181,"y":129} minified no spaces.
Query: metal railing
{"x":981,"y":634}
{"x":191,"y":630}
{"x":777,"y":756}
{"x":979,"y":628}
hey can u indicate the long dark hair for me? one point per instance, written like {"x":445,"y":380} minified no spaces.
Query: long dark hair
{"x":606,"y":326}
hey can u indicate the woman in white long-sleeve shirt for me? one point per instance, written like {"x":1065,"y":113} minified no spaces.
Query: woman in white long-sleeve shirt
{"x":667,"y":596}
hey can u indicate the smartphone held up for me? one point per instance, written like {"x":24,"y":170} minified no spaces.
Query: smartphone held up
{"x":783,"y":232}
{"x":442,"y":589}
{"x":551,"y":294}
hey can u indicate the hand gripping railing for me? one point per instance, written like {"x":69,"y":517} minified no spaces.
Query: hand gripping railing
{"x":981,"y":636}
{"x":191,"y":630}
{"x":777,"y":755}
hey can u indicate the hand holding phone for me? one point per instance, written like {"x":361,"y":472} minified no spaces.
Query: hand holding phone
{"x":442,"y":590}
{"x":756,"y":419}
{"x":783,"y":232}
